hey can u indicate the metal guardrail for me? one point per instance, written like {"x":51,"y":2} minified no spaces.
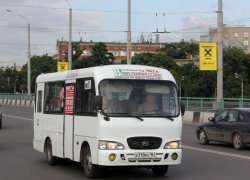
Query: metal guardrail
{"x":17,"y":96}
{"x":191,"y":103}
{"x":211,"y":104}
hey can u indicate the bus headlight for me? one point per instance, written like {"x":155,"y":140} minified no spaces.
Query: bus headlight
{"x":173,"y":145}
{"x":110,"y":145}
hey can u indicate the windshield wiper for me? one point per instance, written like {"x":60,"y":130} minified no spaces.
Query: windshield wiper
{"x":158,"y":115}
{"x":129,"y":115}
{"x":166,"y":117}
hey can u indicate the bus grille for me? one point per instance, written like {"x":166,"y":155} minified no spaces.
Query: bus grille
{"x":144,"y":142}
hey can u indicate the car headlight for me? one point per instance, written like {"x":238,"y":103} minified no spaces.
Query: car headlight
{"x":173,"y":145}
{"x":110,"y":145}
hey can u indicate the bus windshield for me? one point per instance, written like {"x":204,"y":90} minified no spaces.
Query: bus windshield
{"x":139,"y":98}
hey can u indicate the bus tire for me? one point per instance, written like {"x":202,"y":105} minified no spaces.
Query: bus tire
{"x":52,"y":160}
{"x":91,"y":170}
{"x":0,"y":125}
{"x":160,"y":170}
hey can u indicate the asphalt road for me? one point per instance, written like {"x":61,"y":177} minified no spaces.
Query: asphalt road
{"x":19,"y":161}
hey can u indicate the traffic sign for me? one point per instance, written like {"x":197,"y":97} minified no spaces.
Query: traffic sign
{"x":62,"y":66}
{"x":208,"y":56}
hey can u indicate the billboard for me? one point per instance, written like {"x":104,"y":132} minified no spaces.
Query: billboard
{"x":208,"y":56}
{"x":62,"y":66}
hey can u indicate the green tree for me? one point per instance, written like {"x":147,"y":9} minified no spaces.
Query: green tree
{"x":156,"y":60}
{"x":39,"y":64}
{"x":197,"y":83}
{"x":235,"y":61}
{"x":99,"y":56}
{"x":179,"y":50}
{"x":77,"y":51}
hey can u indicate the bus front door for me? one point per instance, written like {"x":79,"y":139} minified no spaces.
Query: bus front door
{"x":38,"y":118}
{"x":69,"y":120}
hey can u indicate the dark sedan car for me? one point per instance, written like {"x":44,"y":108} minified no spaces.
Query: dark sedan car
{"x":228,"y":125}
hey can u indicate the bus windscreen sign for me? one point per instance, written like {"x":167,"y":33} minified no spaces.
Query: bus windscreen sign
{"x":137,"y":74}
{"x":69,"y":99}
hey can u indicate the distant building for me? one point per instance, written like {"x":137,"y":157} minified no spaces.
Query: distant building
{"x":235,"y":36}
{"x":18,"y":68}
{"x":189,"y":59}
{"x":119,"y":50}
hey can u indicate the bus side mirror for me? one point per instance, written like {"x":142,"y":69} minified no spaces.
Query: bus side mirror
{"x":183,"y":109}
{"x":98,"y":102}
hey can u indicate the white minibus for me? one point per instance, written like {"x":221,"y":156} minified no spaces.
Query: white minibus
{"x":109,"y":116}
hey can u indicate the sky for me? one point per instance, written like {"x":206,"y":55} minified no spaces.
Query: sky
{"x":106,"y":21}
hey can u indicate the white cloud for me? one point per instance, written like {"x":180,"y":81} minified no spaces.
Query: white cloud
{"x":195,"y":26}
{"x":54,"y":21}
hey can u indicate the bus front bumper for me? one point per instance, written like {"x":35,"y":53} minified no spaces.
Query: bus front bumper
{"x":127,"y":157}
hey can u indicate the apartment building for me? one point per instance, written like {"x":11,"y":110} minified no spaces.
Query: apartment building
{"x":234,"y":36}
{"x":118,"y":49}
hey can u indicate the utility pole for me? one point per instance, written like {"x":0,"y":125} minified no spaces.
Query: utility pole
{"x":70,"y":36}
{"x":220,"y":52}
{"x":129,"y":34}
{"x":28,"y":63}
{"x":29,"y":87}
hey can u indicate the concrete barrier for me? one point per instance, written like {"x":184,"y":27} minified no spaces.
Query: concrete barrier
{"x":28,"y":103}
{"x":5,"y":101}
{"x":1,"y":101}
{"x":18,"y":102}
{"x":206,"y":116}
{"x":188,"y":116}
{"x":196,"y":117}
{"x":32,"y":103}
{"x":9,"y":101}
{"x":13,"y":102}
{"x":23,"y":103}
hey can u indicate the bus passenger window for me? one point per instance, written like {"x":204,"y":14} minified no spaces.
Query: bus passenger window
{"x":39,"y":102}
{"x":84,"y":100}
{"x":89,"y":101}
{"x":54,"y":97}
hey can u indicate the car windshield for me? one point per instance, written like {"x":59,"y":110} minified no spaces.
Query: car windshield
{"x":139,"y":98}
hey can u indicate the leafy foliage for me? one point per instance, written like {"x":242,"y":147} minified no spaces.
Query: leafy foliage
{"x":179,"y":50}
{"x":197,"y":83}
{"x":39,"y":64}
{"x":77,"y":51}
{"x":99,"y":56}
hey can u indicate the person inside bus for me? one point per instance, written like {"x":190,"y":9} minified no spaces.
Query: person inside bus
{"x":61,"y":99}
{"x":149,"y":105}
{"x":134,"y":101}
{"x":105,"y":104}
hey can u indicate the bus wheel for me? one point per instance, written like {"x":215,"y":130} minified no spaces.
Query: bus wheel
{"x":52,"y":160}
{"x":160,"y":170}
{"x":91,"y":170}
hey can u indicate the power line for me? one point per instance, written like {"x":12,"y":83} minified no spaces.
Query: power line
{"x":123,"y":12}
{"x":26,"y":44}
{"x":206,"y":26}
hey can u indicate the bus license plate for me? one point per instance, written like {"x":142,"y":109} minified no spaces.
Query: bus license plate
{"x":145,"y":155}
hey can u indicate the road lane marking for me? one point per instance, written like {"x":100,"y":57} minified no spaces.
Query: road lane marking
{"x":18,"y":117}
{"x":217,"y":152}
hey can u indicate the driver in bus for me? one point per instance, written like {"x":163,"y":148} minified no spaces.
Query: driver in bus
{"x":60,"y":103}
{"x":149,"y":105}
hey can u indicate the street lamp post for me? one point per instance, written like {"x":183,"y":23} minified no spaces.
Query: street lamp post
{"x":129,"y":34}
{"x":15,"y":84}
{"x":182,"y":79}
{"x":70,"y":35}
{"x":28,"y":63}
{"x":241,"y":78}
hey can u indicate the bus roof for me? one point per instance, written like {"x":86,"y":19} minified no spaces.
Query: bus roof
{"x":110,"y":72}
